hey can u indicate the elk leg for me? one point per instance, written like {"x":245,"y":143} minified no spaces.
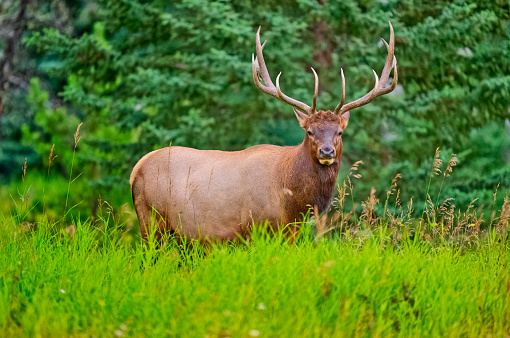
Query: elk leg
{"x":144,"y":212}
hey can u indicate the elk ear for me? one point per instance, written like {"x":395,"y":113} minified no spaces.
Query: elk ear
{"x":302,"y":117}
{"x":344,"y":119}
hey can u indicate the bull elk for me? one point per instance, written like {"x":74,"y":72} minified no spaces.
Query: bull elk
{"x":218,"y":195}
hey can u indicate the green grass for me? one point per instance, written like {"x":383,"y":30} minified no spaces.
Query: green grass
{"x":99,"y":282}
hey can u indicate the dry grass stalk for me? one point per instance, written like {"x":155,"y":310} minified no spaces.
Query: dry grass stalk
{"x":451,"y":163}
{"x":368,"y":213}
{"x":504,"y":216}
{"x":398,"y":204}
{"x":468,"y":222}
{"x":447,"y":211}
{"x":393,"y":186}
{"x":51,"y":157}
{"x":410,"y":209}
{"x":77,"y":136}
{"x":24,"y":168}
{"x":391,"y":191}
{"x":436,"y":167}
{"x":110,"y":210}
{"x":342,"y":194}
{"x":430,"y":210}
{"x":406,"y":220}
{"x":354,"y":168}
{"x":449,"y":169}
{"x":76,"y":140}
{"x":340,"y":218}
{"x":493,"y":212}
{"x":26,"y":193}
{"x":320,"y":222}
{"x":475,"y":224}
{"x":339,"y":201}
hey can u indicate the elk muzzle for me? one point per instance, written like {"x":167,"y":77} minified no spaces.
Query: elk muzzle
{"x":326,"y":155}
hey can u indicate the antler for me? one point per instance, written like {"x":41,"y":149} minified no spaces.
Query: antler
{"x":259,"y":71}
{"x":391,"y":63}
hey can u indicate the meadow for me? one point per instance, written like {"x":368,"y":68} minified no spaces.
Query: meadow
{"x":382,"y":271}
{"x":89,"y":282}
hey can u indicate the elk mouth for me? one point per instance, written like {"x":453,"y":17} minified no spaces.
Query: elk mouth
{"x":327,"y":161}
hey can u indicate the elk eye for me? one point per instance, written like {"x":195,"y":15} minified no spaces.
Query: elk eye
{"x":310,"y":133}
{"x":340,"y":133}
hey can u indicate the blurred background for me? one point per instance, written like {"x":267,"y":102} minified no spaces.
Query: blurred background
{"x":141,"y":74}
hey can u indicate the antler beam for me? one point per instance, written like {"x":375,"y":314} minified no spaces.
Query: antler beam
{"x":259,"y":71}
{"x":391,"y":64}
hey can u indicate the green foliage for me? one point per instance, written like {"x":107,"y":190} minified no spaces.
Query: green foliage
{"x":13,"y":152}
{"x":54,"y":127}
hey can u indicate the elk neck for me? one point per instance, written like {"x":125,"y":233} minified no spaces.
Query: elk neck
{"x":310,"y":182}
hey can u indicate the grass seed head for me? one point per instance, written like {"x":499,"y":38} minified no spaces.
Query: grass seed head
{"x":504,"y":216}
{"x":393,"y":185}
{"x":355,"y":167}
{"x":436,"y":167}
{"x":51,"y":157}
{"x":368,"y":212}
{"x":24,"y":168}
{"x":451,"y":163}
{"x":77,"y":136}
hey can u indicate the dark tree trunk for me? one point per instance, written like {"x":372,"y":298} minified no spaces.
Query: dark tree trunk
{"x":13,"y":42}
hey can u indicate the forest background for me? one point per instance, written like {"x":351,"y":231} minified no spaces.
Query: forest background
{"x":141,"y":74}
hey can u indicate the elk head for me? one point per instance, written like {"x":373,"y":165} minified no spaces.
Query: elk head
{"x":324,"y":129}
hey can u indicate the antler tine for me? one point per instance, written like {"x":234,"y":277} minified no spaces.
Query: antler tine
{"x":391,"y":64}
{"x":374,"y":91}
{"x":255,"y":70}
{"x":278,"y":90}
{"x":315,"y":92}
{"x":393,"y":82}
{"x":260,"y":57}
{"x":259,"y":68}
{"x":365,"y":99}
{"x":342,"y":100}
{"x":388,"y":66}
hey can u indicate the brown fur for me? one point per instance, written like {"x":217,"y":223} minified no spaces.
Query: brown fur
{"x":218,"y":195}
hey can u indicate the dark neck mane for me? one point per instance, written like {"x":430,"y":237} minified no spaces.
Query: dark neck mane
{"x":310,"y":182}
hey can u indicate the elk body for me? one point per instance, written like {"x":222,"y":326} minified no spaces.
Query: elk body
{"x":218,"y":195}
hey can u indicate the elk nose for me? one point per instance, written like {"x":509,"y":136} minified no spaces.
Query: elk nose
{"x":327,"y":152}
